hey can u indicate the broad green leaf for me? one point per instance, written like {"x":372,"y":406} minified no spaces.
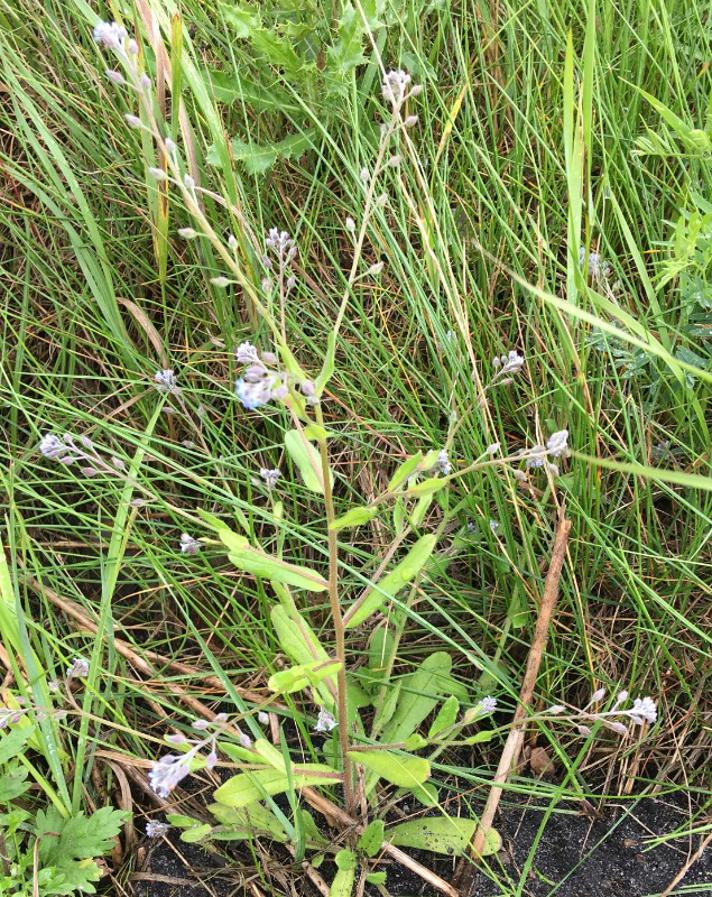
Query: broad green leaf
{"x":306,"y":459}
{"x":404,"y":471}
{"x":231,"y":86}
{"x":195,"y":834}
{"x":249,"y":822}
{"x":180,"y":820}
{"x":371,"y":838}
{"x":376,"y":878}
{"x":446,"y":716}
{"x":398,"y":769}
{"x":301,"y":676}
{"x":248,"y":787}
{"x":13,"y":783}
{"x":418,"y":696}
{"x":448,"y":835}
{"x":270,"y":754}
{"x":393,"y":582}
{"x":354,"y":517}
{"x":259,"y":563}
{"x":343,"y":882}
{"x":415,"y":742}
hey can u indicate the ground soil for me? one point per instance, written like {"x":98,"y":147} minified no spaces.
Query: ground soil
{"x":581,"y":852}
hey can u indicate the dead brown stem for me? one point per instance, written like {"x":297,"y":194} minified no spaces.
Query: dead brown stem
{"x":513,"y":745}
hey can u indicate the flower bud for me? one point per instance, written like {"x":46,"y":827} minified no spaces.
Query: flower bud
{"x":187,"y":233}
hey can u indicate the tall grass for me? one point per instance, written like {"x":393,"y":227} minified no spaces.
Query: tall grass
{"x":526,"y":153}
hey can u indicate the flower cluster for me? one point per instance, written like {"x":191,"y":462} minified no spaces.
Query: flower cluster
{"x":156,"y":829}
{"x":598,"y":268}
{"x":167,"y":382}
{"x":443,"y":464}
{"x":270,"y":476}
{"x":396,"y":88}
{"x":189,"y":545}
{"x":325,"y":722}
{"x":643,"y":711}
{"x":69,"y":449}
{"x":169,"y":770}
{"x":79,"y":669}
{"x":261,"y":381}
{"x":506,"y":367}
{"x":557,"y":446}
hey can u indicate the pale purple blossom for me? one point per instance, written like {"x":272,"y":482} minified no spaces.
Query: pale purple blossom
{"x":325,"y":722}
{"x":156,"y":829}
{"x":189,"y":545}
{"x":488,"y":704}
{"x":395,"y":88}
{"x":79,"y":669}
{"x":246,"y":353}
{"x":270,"y":476}
{"x":643,"y":710}
{"x":167,"y":772}
{"x":110,"y":35}
{"x":443,"y":465}
{"x":166,"y":381}
{"x":557,"y":444}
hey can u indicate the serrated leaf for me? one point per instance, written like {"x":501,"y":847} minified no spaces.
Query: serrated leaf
{"x":78,"y":837}
{"x":306,"y":459}
{"x":13,"y":783}
{"x":398,"y":769}
{"x":12,"y":744}
{"x":347,"y":52}
{"x":371,"y":838}
{"x":404,"y":471}
{"x":354,"y":517}
{"x":253,"y":560}
{"x":389,"y":586}
{"x":446,"y":716}
{"x":232,"y":86}
{"x":259,"y":158}
{"x":448,"y":835}
{"x":248,"y":787}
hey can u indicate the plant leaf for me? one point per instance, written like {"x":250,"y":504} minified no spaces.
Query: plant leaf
{"x":372,"y":838}
{"x":306,"y":459}
{"x":354,"y":517}
{"x":259,"y":563}
{"x":247,"y":787}
{"x":393,"y":582}
{"x":418,"y":696}
{"x":398,"y":769}
{"x":404,"y":471}
{"x":301,"y":676}
{"x":449,"y":835}
{"x":446,"y":716}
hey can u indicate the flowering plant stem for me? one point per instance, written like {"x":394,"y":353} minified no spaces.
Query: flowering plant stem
{"x":336,"y":618}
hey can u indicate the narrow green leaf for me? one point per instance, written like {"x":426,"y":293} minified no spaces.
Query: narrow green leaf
{"x":393,"y":582}
{"x":301,"y":676}
{"x":306,"y":459}
{"x":418,"y":696}
{"x":404,"y":471}
{"x":259,"y":563}
{"x":446,"y":716}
